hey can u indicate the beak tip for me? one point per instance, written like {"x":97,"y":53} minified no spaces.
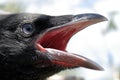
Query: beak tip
{"x":96,"y":67}
{"x":100,"y":68}
{"x":93,"y":65}
{"x":104,"y":18}
{"x":90,"y":16}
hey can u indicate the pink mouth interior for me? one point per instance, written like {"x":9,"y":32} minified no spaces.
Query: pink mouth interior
{"x":58,"y":38}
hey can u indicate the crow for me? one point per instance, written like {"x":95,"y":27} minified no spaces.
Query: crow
{"x":33,"y":46}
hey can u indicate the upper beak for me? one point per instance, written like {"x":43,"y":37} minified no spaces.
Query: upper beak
{"x":56,"y":52}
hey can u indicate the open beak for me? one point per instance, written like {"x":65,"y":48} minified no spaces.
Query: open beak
{"x":52,"y":43}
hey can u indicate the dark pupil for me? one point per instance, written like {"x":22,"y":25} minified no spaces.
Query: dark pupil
{"x":28,"y":28}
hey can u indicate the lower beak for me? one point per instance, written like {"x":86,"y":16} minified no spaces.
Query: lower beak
{"x":69,"y":60}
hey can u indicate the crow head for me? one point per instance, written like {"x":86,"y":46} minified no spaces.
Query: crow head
{"x":33,"y":46}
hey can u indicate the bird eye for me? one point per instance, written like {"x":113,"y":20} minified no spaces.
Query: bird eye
{"x":28,"y":28}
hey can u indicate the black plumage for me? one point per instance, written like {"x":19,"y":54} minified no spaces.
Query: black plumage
{"x":25,"y":39}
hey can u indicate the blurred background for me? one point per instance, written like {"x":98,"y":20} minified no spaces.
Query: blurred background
{"x":99,"y":42}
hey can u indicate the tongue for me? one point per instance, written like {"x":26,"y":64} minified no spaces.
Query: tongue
{"x":68,"y":60}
